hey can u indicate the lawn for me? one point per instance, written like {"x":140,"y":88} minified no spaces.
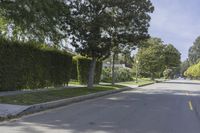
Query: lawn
{"x":52,"y":95}
{"x":74,"y":82}
{"x":141,"y":81}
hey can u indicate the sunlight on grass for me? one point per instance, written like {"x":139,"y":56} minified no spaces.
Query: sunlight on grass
{"x":141,"y":81}
{"x":52,"y":95}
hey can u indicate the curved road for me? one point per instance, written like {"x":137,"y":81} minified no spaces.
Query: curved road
{"x":172,"y":107}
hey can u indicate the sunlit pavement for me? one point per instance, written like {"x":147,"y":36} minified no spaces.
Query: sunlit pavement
{"x":171,"y":107}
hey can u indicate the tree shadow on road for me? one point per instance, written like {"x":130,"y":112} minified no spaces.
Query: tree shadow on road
{"x":139,"y":111}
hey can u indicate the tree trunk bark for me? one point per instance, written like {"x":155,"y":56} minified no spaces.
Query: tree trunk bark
{"x":113,"y":69}
{"x":91,"y":73}
{"x":152,"y":76}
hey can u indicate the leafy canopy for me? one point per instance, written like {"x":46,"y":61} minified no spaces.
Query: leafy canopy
{"x":99,"y":23}
{"x":151,"y":59}
{"x":37,"y":19}
{"x":155,"y":57}
{"x":194,"y":52}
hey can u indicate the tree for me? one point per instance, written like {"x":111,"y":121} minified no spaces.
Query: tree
{"x":193,"y":71}
{"x":126,"y":58}
{"x":168,"y":74}
{"x":3,"y":27}
{"x":155,"y":58}
{"x":184,"y":66}
{"x":36,"y":19}
{"x":129,"y":28}
{"x":99,"y":26}
{"x":172,"y":60}
{"x":172,"y":57}
{"x":194,"y":52}
{"x":151,"y":59}
{"x":92,"y":25}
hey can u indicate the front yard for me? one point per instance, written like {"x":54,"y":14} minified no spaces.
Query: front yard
{"x":141,"y":81}
{"x":52,"y":95}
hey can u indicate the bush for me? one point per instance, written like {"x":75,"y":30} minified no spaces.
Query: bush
{"x":74,"y":73}
{"x":83,"y":65}
{"x":121,"y":75}
{"x":193,"y":71}
{"x":30,"y":65}
{"x":168,"y":74}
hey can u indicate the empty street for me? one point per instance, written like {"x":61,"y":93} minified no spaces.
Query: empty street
{"x":171,"y":107}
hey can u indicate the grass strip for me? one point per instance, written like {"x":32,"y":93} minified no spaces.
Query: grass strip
{"x":140,"y":82}
{"x":52,"y":95}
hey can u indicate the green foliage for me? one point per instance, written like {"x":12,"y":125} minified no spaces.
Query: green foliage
{"x":121,"y":75}
{"x":36,"y":19}
{"x":92,"y":19}
{"x":74,"y":73}
{"x":193,"y":71}
{"x":98,"y":24}
{"x":184,"y":66}
{"x":168,"y":74}
{"x":101,"y":25}
{"x":172,"y":56}
{"x":151,"y":59}
{"x":52,"y":95}
{"x":194,"y":52}
{"x":3,"y":27}
{"x":29,"y":66}
{"x":155,"y":57}
{"x":83,"y":65}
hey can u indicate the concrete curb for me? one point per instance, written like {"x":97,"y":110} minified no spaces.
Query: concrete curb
{"x":54,"y":104}
{"x":145,"y":84}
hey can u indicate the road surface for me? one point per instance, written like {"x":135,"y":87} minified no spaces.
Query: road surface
{"x":172,"y":107}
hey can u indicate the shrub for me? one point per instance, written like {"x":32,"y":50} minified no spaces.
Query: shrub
{"x":121,"y":74}
{"x":168,"y":74}
{"x":74,"y":73}
{"x":193,"y":71}
{"x":30,"y":65}
{"x":83,"y":65}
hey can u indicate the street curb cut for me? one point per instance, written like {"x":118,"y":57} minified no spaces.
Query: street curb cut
{"x":59,"y":103}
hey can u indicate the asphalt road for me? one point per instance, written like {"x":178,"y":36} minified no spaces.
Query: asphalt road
{"x":172,"y":107}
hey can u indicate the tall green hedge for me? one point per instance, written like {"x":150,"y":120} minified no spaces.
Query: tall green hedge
{"x":83,"y":65}
{"x":30,"y":65}
{"x":74,"y":73}
{"x":121,"y":74}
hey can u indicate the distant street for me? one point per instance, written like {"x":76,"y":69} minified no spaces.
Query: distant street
{"x":172,"y":107}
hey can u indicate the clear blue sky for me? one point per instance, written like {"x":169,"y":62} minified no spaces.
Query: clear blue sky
{"x":176,"y":22}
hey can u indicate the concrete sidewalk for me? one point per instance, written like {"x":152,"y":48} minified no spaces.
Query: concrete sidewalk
{"x":11,"y":111}
{"x":7,"y":110}
{"x":151,"y":109}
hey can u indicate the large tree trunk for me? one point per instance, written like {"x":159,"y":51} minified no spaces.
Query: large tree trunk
{"x":91,"y":73}
{"x":152,"y":76}
{"x":113,"y":68}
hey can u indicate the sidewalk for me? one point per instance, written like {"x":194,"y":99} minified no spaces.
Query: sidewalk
{"x":7,"y":110}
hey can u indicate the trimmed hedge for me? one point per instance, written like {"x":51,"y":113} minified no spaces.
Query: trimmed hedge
{"x":121,"y":75}
{"x":30,"y":66}
{"x":83,"y":65}
{"x":74,"y":73}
